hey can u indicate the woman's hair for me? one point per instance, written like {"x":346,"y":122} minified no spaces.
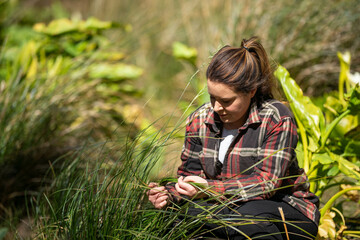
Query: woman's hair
{"x":243,"y":68}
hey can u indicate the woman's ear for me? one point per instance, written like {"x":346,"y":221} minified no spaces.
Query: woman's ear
{"x":252,"y":93}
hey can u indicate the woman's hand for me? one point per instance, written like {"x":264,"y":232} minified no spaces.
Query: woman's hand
{"x":158,"y":196}
{"x":183,"y":187}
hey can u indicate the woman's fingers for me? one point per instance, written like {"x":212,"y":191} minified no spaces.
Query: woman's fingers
{"x":158,"y":196}
{"x":152,"y":185}
{"x":156,"y":193}
{"x":161,"y":199}
{"x":154,"y":197}
{"x":185,"y":188}
{"x":196,"y":179}
{"x":161,"y":202}
{"x":180,"y":190}
{"x":156,"y":190}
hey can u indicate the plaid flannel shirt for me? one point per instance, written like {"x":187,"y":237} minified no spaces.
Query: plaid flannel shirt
{"x":260,"y":162}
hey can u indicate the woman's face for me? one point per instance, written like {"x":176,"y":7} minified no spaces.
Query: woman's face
{"x":231,"y":106}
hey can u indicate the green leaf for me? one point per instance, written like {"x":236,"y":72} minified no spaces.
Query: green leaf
{"x":345,"y":59}
{"x":110,"y":56}
{"x":345,"y":125}
{"x":130,"y":90}
{"x":181,"y":51}
{"x":304,"y":110}
{"x":312,"y":145}
{"x":348,"y":168}
{"x":300,"y":154}
{"x":353,"y":98}
{"x":333,"y":171}
{"x":93,"y":23}
{"x":64,"y":25}
{"x":333,"y":105}
{"x":56,"y":27}
{"x":71,"y":49}
{"x":118,"y":71}
{"x":323,"y":158}
{"x":352,"y":149}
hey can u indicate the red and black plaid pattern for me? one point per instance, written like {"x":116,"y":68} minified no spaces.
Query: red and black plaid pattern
{"x":260,"y":163}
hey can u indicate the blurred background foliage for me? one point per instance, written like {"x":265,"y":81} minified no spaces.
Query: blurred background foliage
{"x":88,"y":71}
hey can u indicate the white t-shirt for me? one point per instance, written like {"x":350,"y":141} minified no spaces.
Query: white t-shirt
{"x":227,"y":138}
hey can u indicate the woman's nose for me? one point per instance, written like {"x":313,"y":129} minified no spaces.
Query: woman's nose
{"x":217,"y":106}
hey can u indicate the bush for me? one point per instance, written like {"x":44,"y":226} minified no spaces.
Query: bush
{"x":63,"y":87}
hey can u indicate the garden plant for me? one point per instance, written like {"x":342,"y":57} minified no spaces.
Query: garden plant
{"x":77,"y":149}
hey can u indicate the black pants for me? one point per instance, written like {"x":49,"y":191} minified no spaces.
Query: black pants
{"x":256,"y":219}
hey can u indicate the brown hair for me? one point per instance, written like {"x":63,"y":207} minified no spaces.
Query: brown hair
{"x":243,"y":68}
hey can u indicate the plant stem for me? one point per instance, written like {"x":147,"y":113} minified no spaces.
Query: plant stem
{"x":341,"y":87}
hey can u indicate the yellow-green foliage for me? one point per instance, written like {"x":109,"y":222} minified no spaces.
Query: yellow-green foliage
{"x":329,"y":159}
{"x":66,"y":85}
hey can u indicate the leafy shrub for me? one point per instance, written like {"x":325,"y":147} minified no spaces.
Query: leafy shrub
{"x":327,"y":149}
{"x":66,"y":85}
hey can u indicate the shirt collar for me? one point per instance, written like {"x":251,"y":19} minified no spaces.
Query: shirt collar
{"x":253,"y":115}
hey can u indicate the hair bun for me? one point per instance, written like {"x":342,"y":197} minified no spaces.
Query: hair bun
{"x":245,"y":45}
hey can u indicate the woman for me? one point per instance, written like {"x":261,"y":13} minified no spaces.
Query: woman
{"x":241,"y":146}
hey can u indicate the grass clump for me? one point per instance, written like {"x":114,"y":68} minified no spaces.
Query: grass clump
{"x":104,"y":198}
{"x":51,"y":101}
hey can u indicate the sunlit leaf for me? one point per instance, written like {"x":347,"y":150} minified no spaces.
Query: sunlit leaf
{"x":306,"y":112}
{"x":345,"y":59}
{"x":118,"y":71}
{"x":312,"y":145}
{"x":111,"y":56}
{"x":348,"y":168}
{"x":56,"y":68}
{"x":323,"y":158}
{"x":327,"y":227}
{"x":333,"y":105}
{"x":27,"y":53}
{"x":181,"y":51}
{"x":64,"y":25}
{"x":133,"y":114}
{"x":130,"y":90}
{"x":333,"y":171}
{"x":32,"y":70}
{"x":56,"y":27}
{"x":93,"y":23}
{"x":345,"y":125}
{"x":300,"y":154}
{"x":71,"y":49}
{"x":39,"y":27}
